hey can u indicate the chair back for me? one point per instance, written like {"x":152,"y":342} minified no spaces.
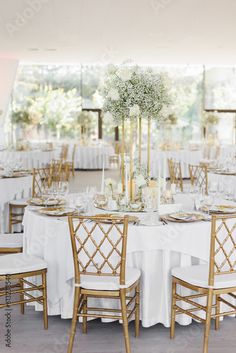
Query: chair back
{"x":42,"y":179}
{"x":60,"y":170}
{"x":223,"y":246}
{"x":99,"y":246}
{"x":64,"y":152}
{"x":175,"y":172}
{"x":198,"y":176}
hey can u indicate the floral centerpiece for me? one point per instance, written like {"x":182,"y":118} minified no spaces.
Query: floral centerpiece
{"x":131,"y":93}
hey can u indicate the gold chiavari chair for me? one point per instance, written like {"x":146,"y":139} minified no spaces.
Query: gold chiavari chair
{"x":99,"y":252}
{"x":41,"y":179}
{"x":209,"y":281}
{"x":64,"y":152}
{"x":198,"y":176}
{"x":175,"y":172}
{"x":15,"y":273}
{"x":71,"y":163}
{"x":60,"y":171}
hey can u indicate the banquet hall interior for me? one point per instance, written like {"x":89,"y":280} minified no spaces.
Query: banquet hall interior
{"x":117,"y":176}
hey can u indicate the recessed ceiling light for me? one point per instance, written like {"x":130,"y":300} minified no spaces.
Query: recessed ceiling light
{"x":50,"y":49}
{"x":33,"y":49}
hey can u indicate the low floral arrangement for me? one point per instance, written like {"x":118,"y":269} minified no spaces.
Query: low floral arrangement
{"x":131,"y":91}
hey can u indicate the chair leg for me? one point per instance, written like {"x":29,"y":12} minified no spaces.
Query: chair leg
{"x":217,"y":320}
{"x":74,"y":319}
{"x":137,"y":310}
{"x":10,"y":219}
{"x":45,"y":304}
{"x":173,"y":311}
{"x":208,"y":320}
{"x":22,"y":305}
{"x":85,"y":304}
{"x":125,"y":319}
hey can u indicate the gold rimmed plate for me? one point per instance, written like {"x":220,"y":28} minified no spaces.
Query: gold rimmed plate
{"x":184,"y":217}
{"x":57,"y":211}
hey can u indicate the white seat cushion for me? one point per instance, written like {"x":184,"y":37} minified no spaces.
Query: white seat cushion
{"x":198,"y":276}
{"x":11,"y":240}
{"x":20,"y":202}
{"x":107,"y":282}
{"x":20,"y":263}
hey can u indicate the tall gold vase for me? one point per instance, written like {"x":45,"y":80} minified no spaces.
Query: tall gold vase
{"x":140,"y":142}
{"x":131,"y":162}
{"x":123,"y":156}
{"x":149,"y":147}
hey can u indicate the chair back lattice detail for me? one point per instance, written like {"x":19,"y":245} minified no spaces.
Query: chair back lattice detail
{"x":42,"y":179}
{"x":99,"y":246}
{"x":175,"y":172}
{"x":198,"y":176}
{"x":223,"y":246}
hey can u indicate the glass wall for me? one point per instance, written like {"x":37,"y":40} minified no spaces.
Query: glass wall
{"x":47,"y":98}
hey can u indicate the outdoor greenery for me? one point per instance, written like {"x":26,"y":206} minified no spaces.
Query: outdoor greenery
{"x":48,"y":99}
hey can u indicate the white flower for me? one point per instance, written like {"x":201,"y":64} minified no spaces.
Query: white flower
{"x":113,"y":94}
{"x":110,"y":182}
{"x":124,"y":73}
{"x":134,"y":110}
{"x":108,"y":116}
{"x":140,"y":181}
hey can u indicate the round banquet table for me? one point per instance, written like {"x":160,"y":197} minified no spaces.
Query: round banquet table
{"x":155,"y":250}
{"x":27,"y":159}
{"x":159,"y":159}
{"x":227,"y":180}
{"x":12,"y":189}
{"x":91,"y":157}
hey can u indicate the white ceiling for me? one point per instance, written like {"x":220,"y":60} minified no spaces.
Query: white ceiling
{"x":101,"y":31}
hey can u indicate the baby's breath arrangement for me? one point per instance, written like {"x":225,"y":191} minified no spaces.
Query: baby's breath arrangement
{"x":132,"y":91}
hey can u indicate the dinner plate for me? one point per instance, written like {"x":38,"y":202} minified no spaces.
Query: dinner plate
{"x":104,"y":217}
{"x":185,"y":217}
{"x":57,"y":211}
{"x":38,"y":201}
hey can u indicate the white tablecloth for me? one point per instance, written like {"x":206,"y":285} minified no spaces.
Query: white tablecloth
{"x":91,"y":157}
{"x":186,"y":157}
{"x":228,"y":181}
{"x":11,"y":189}
{"x":154,"y":250}
{"x":27,"y":159}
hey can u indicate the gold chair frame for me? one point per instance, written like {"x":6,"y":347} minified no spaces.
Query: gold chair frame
{"x":212,"y":311}
{"x":81,"y":308}
{"x":175,"y":172}
{"x":64,"y":152}
{"x":60,"y":171}
{"x":42,"y":177}
{"x":198,"y":176}
{"x":26,"y":295}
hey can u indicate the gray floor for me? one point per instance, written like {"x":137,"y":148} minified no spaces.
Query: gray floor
{"x":28,"y":335}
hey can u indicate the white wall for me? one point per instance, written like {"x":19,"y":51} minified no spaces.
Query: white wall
{"x":8,"y":68}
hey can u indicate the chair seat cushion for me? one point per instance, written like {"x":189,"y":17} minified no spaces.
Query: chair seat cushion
{"x":20,"y":202}
{"x":198,"y":276}
{"x":20,"y":263}
{"x":11,"y":240}
{"x":108,"y":282}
